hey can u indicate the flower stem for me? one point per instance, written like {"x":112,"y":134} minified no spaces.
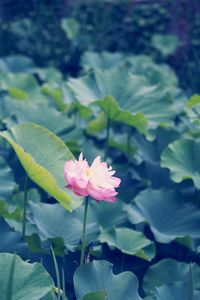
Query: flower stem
{"x":25,"y":206}
{"x":84,"y":231}
{"x":107,"y":138}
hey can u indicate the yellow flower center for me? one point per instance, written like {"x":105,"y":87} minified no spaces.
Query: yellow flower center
{"x":87,"y":172}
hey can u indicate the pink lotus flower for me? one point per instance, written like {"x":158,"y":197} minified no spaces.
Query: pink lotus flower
{"x":96,"y":180}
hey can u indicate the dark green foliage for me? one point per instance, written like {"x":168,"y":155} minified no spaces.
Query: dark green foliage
{"x":62,"y":30}
{"x":157,"y":212}
{"x":128,"y":108}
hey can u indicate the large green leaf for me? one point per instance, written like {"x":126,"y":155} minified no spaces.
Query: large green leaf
{"x":30,"y":281}
{"x":161,"y":75}
{"x":104,"y":210}
{"x":174,"y":291}
{"x":114,"y":113}
{"x":166,"y":213}
{"x":16,"y":112}
{"x":43,"y":156}
{"x":182,"y":158}
{"x":98,"y":276}
{"x":133,"y":94}
{"x":129,"y":242}
{"x":161,"y":273}
{"x":47,"y":218}
{"x":142,"y":65}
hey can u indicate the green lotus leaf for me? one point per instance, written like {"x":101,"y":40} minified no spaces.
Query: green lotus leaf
{"x":133,"y":98}
{"x":129,"y":242}
{"x":114,"y":113}
{"x":161,"y":273}
{"x":182,"y":158}
{"x":104,"y":210}
{"x":168,"y":216}
{"x":28,"y":280}
{"x":16,"y":112}
{"x":43,"y":156}
{"x":47,"y":219}
{"x":98,"y":276}
{"x":175,"y":291}
{"x":142,"y":65}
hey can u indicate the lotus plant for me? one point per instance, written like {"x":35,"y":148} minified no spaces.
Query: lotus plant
{"x":96,"y":181}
